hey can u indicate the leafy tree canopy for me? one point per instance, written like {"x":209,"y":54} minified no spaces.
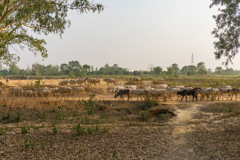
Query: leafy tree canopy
{"x":157,"y":70}
{"x":227,"y":29}
{"x":17,"y":17}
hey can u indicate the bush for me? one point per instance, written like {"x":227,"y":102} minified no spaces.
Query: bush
{"x":90,"y":105}
{"x":8,"y":119}
{"x":2,"y":132}
{"x":145,"y":115}
{"x":79,"y":129}
{"x":150,"y":102}
{"x":41,"y":116}
{"x":24,"y":129}
{"x":55,"y":131}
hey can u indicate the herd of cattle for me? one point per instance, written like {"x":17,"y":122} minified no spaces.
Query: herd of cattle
{"x":166,"y":92}
{"x":161,"y":91}
{"x":64,"y":90}
{"x":86,"y":80}
{"x":45,"y":92}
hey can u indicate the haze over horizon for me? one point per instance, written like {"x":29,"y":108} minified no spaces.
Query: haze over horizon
{"x":135,"y":34}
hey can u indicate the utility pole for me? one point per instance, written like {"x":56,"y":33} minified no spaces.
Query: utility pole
{"x":192,"y":62}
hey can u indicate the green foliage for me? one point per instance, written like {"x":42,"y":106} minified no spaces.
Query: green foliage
{"x":7,"y":119}
{"x":38,"y":83}
{"x":59,"y":116}
{"x":201,"y":68}
{"x":145,"y":115}
{"x":54,"y":129}
{"x":41,"y":116}
{"x":53,"y":110}
{"x":60,"y":107}
{"x":157,"y":70}
{"x":79,"y":129}
{"x":97,"y":128}
{"x":170,"y":70}
{"x":150,"y":102}
{"x":2,"y":131}
{"x":90,"y":105}
{"x":25,"y":129}
{"x":26,"y":143}
{"x":86,"y":119}
{"x":90,"y":130}
{"x":43,"y":145}
{"x":230,"y":109}
{"x":75,"y":114}
{"x":105,"y":130}
{"x":18,"y":117}
{"x":51,"y":143}
{"x":40,"y":17}
{"x":227,"y":29}
{"x":114,"y":153}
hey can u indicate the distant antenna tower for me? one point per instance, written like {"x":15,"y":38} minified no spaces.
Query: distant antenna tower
{"x":192,"y":62}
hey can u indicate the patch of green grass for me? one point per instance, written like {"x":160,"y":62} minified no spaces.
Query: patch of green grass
{"x":8,"y":119}
{"x":145,"y":115}
{"x":25,"y":129}
{"x":41,"y":115}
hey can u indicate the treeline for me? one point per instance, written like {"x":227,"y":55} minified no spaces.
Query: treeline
{"x":75,"y":69}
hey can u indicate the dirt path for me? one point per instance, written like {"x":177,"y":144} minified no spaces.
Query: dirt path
{"x":179,"y":149}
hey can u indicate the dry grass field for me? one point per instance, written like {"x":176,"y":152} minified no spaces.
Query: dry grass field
{"x":106,"y":128}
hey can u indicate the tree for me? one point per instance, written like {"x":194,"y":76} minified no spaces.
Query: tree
{"x":170,"y":70}
{"x":175,"y":68}
{"x":157,"y":70}
{"x":14,"y":68}
{"x":86,"y":68}
{"x":184,"y":70}
{"x":106,"y":66}
{"x":135,"y":73}
{"x":75,"y":68}
{"x":192,"y":69}
{"x":64,"y":68}
{"x":36,"y":69}
{"x":218,"y":70}
{"x":115,"y":66}
{"x":209,"y":71}
{"x":227,"y":29}
{"x":18,"y":17}
{"x":201,"y":68}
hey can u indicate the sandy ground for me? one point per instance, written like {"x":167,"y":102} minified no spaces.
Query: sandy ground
{"x":181,"y":124}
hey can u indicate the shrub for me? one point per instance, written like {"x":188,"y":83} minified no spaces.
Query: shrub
{"x":18,"y":117}
{"x":24,"y":129}
{"x":59,"y":116}
{"x":105,"y":129}
{"x":90,"y":105}
{"x":38,"y":83}
{"x":150,"y":102}
{"x":8,"y":119}
{"x":145,"y":115}
{"x":55,"y":131}
{"x":79,"y":129}
{"x":2,"y":132}
{"x":41,"y":116}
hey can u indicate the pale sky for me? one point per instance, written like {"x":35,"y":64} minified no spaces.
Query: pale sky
{"x":135,"y":34}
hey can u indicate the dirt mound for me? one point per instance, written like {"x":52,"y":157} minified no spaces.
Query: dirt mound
{"x":156,"y":111}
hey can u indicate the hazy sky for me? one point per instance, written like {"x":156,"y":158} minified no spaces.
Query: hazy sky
{"x":135,"y":34}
